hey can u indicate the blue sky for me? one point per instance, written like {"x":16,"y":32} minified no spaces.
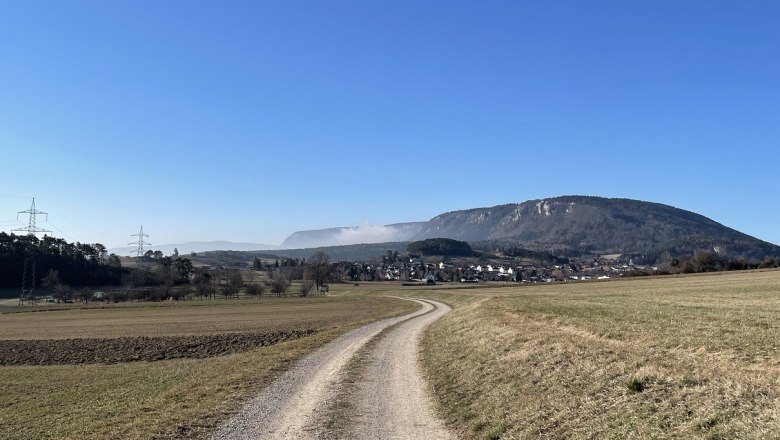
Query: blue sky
{"x":249,"y":120}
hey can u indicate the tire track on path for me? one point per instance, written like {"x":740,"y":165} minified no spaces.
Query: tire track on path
{"x":294,"y":404}
{"x":388,"y":398}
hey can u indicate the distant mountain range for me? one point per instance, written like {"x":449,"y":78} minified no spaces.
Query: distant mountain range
{"x":568,"y":225}
{"x":564,"y":226}
{"x":202,"y":246}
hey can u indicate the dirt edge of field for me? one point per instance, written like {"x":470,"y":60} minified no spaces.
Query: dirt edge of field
{"x":137,"y":349}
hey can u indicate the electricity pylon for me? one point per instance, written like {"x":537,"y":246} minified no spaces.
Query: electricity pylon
{"x":140,"y":243}
{"x":28,"y":284}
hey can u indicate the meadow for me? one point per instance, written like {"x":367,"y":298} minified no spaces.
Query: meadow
{"x":183,"y":397}
{"x":669,"y":357}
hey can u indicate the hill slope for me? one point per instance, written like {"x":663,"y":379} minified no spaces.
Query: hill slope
{"x":597,"y":225}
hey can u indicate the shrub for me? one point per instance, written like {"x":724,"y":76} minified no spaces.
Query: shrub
{"x":306,"y":288}
{"x":279,"y":284}
{"x":254,"y":290}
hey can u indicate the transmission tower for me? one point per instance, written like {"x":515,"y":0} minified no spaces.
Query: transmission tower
{"x":28,"y":283}
{"x":140,"y":243}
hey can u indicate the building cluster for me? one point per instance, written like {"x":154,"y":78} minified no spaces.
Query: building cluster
{"x":417,"y":270}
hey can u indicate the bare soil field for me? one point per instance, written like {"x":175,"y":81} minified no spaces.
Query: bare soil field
{"x":668,"y":357}
{"x":135,"y":349}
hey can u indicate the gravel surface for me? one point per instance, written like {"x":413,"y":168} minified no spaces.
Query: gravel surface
{"x":391,"y":400}
{"x":292,"y":405}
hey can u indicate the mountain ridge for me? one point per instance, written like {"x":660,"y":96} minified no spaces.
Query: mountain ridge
{"x":589,"y":224}
{"x":565,"y":226}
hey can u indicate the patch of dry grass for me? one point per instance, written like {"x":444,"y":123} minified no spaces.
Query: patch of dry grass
{"x":183,"y":398}
{"x":685,"y":357}
{"x":185,"y":318}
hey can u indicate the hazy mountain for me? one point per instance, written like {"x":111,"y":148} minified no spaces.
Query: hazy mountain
{"x":597,"y":225}
{"x":186,"y":248}
{"x":565,"y":226}
{"x":364,"y":233}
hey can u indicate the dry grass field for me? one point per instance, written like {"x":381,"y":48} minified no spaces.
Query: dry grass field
{"x":183,"y":317}
{"x":670,"y":357}
{"x":174,"y":398}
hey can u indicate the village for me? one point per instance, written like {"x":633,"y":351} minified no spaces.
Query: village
{"x":417,"y":270}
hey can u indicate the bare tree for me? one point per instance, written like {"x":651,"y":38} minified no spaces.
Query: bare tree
{"x":319,"y":269}
{"x":279,"y":284}
{"x":254,"y":290}
{"x":234,"y":283}
{"x":204,"y":285}
{"x":305,"y":288}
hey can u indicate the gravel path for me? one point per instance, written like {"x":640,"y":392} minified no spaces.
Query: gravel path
{"x":391,"y":399}
{"x":292,"y":405}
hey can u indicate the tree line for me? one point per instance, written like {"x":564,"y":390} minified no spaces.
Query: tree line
{"x":79,"y":264}
{"x":81,"y":271}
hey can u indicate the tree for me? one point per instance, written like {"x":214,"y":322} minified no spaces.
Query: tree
{"x":204,"y":285}
{"x":254,"y":290}
{"x":279,"y":284}
{"x":184,"y":268}
{"x":165,"y":274}
{"x":305,"y":288}
{"x":319,"y":269}
{"x":51,"y":280}
{"x":440,"y":246}
{"x":114,"y":261}
{"x":234,"y":283}
{"x":704,"y":261}
{"x":175,"y":253}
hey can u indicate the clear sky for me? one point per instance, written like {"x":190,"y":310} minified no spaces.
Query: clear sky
{"x":249,"y":120}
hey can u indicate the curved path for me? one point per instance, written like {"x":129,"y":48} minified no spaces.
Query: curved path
{"x":391,"y":397}
{"x":391,"y":401}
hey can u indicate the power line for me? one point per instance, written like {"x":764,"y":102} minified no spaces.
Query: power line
{"x":140,"y":243}
{"x":60,"y":231}
{"x":28,"y":285}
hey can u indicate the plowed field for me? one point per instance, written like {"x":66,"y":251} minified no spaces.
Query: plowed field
{"x":133,"y":349}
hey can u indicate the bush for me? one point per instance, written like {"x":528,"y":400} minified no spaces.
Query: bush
{"x":254,"y":290}
{"x":279,"y":284}
{"x":306,"y":288}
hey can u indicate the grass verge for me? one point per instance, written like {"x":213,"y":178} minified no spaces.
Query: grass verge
{"x":687,"y":357}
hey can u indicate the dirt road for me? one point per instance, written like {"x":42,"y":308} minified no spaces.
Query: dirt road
{"x":385,"y":390}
